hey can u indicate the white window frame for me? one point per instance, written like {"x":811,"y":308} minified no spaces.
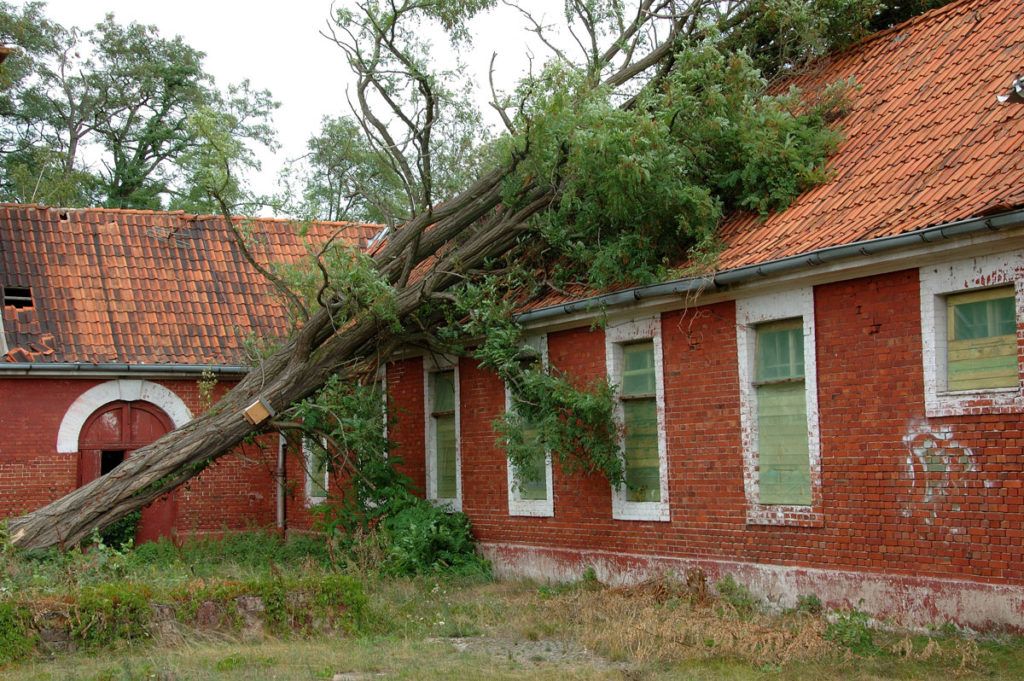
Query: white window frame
{"x":940,"y":281}
{"x":516,"y":504}
{"x":432,"y":365}
{"x":307,"y":475}
{"x":750,"y":313}
{"x":382,"y":379}
{"x":617,"y":335}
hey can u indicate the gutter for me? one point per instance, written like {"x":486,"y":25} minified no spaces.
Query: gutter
{"x":748,"y":273}
{"x":88,"y":369}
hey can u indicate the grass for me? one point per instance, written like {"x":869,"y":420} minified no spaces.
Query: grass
{"x":418,"y":628}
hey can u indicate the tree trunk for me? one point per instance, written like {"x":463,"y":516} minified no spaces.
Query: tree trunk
{"x":294,"y":372}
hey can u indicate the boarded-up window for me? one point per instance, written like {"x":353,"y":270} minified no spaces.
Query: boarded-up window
{"x":640,"y":418}
{"x":982,"y":340}
{"x":444,"y":449}
{"x":782,"y":439}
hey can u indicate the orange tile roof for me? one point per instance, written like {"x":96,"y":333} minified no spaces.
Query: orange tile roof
{"x":127,"y":286}
{"x":926,"y":143}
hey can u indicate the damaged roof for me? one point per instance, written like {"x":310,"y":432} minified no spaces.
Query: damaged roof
{"x":926,"y":141}
{"x":142,"y":287}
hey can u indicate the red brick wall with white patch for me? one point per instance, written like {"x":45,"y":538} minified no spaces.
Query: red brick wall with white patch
{"x":236,"y":492}
{"x":909,"y":503}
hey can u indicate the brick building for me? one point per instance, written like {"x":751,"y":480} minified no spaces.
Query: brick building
{"x":110,"y":318}
{"x":836,"y":410}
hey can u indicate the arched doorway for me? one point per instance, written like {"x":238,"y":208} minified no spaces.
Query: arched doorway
{"x":108,"y":437}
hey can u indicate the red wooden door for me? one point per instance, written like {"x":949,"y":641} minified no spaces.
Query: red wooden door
{"x":108,"y":437}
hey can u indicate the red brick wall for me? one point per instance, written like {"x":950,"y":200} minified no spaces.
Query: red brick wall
{"x":234,"y":493}
{"x":883,"y":511}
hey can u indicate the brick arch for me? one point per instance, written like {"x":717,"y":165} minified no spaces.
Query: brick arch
{"x":120,"y":390}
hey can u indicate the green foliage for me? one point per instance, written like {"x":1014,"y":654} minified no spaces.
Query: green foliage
{"x":344,"y":277}
{"x":122,"y":90}
{"x":106,"y":613}
{"x":121,"y":533}
{"x":852,"y":629}
{"x":341,"y":178}
{"x":737,"y":595}
{"x":641,"y":186}
{"x":783,"y":35}
{"x":291,"y":604}
{"x":426,"y":539}
{"x":552,"y":413}
{"x":16,"y":638}
{"x":809,"y":603}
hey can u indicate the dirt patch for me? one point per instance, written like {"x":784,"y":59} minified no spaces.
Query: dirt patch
{"x":527,"y":652}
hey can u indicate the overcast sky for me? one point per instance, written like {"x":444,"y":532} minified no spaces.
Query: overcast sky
{"x":278,"y":47}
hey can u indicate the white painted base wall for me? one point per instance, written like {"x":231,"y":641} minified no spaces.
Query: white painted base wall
{"x":900,"y":600}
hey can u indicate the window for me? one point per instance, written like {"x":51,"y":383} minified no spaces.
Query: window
{"x":110,"y":459}
{"x":640,"y":420}
{"x":442,"y":435}
{"x":784,"y":474}
{"x":18,"y":296}
{"x":529,"y":488}
{"x":981,"y":336}
{"x":969,"y":313}
{"x":633,"y":352}
{"x":778,"y":408}
{"x":317,"y":465}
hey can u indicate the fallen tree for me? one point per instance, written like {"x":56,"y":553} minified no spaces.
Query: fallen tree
{"x":611,"y":167}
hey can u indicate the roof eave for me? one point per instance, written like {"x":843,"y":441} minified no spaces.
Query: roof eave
{"x":93,"y":370}
{"x":695,"y":286}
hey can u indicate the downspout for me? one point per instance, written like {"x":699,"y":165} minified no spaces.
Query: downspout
{"x":281,"y":478}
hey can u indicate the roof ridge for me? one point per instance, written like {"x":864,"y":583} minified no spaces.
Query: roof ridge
{"x":184,"y":215}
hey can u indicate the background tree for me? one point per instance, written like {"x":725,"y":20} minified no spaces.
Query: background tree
{"x":647,"y":131}
{"x":117,"y":95}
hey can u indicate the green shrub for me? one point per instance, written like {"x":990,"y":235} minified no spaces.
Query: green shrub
{"x":426,"y":539}
{"x":809,"y":603}
{"x":736,"y":595}
{"x":16,"y":639}
{"x":121,"y":533}
{"x":107,"y":613}
{"x":851,"y":629}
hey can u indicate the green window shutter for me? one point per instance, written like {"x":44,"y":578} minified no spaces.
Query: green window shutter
{"x":981,"y":348}
{"x":643,"y":481}
{"x":780,"y":351}
{"x":638,"y":369}
{"x":445,"y":445}
{"x":444,"y":429}
{"x":782,"y":445}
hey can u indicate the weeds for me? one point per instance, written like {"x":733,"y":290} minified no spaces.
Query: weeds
{"x":851,"y":629}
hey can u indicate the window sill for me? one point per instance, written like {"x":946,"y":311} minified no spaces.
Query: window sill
{"x":534,"y":509}
{"x":450,"y":505}
{"x":790,"y":516}
{"x":656,"y":511}
{"x":974,"y":402}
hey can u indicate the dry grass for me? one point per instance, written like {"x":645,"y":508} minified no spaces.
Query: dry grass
{"x":665,"y":620}
{"x":662,"y":629}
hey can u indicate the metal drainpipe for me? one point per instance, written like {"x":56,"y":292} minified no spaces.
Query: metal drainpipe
{"x":282,"y":480}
